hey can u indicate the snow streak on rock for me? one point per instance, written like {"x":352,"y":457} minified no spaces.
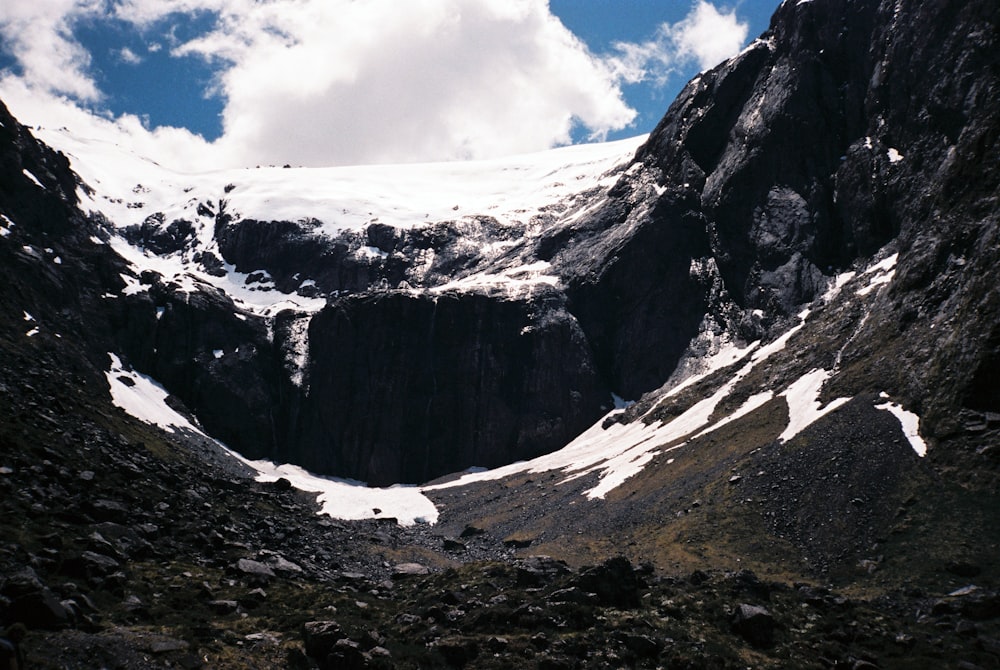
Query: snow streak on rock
{"x":909,"y":422}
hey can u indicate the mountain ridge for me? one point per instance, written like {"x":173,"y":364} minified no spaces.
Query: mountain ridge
{"x":806,"y":334}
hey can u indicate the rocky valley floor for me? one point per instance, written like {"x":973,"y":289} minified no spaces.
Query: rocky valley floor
{"x":125,"y":547}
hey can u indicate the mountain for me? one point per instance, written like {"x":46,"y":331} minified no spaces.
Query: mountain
{"x":717,"y":397}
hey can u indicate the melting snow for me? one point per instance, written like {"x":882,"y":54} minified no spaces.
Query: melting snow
{"x":838,"y":283}
{"x":882,"y":273}
{"x":349,"y":499}
{"x":909,"y":422}
{"x":804,"y":407}
{"x":519,"y":280}
{"x":143,"y":398}
{"x":27,"y":173}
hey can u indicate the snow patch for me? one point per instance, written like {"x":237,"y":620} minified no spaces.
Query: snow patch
{"x":752,"y":403}
{"x":779,"y":344}
{"x":32,"y":332}
{"x":804,"y":407}
{"x":726,"y":354}
{"x":882,"y":273}
{"x":520,"y":280}
{"x":132,"y":285}
{"x":143,"y":398}
{"x":909,"y":422}
{"x":352,"y":500}
{"x":27,"y":173}
{"x":833,"y":290}
{"x":365,"y":253}
{"x":893,"y":155}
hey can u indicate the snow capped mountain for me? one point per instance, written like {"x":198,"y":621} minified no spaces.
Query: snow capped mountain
{"x":400,"y":323}
{"x":794,"y":263}
{"x":763,"y":338}
{"x":516,"y":196}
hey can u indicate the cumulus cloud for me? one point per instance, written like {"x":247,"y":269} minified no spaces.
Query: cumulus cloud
{"x":706,"y":35}
{"x":320,"y":82}
{"x":175,"y":148}
{"x":39,"y":34}
{"x":423,"y":80}
{"x":126,"y":55}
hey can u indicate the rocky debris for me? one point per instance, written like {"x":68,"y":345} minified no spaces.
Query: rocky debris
{"x":167,"y":532}
{"x":614,"y":582}
{"x":409,"y":570}
{"x":754,"y":624}
{"x":28,"y":601}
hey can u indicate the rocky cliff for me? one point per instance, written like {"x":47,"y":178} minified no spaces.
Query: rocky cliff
{"x":441,"y":343}
{"x":793,"y":278}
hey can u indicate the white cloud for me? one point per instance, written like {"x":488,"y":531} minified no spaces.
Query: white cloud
{"x":706,"y":35}
{"x":384,"y":81}
{"x":709,"y":35}
{"x":176,"y":148}
{"x":320,"y":82}
{"x":126,"y":55}
{"x":39,"y":34}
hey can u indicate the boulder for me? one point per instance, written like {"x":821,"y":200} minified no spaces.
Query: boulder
{"x":754,"y":624}
{"x":614,"y":582}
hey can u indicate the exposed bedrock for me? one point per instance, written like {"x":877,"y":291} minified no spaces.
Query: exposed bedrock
{"x":406,"y":387}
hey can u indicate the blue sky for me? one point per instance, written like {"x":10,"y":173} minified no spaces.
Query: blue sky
{"x":600,"y":23}
{"x":339,"y":81}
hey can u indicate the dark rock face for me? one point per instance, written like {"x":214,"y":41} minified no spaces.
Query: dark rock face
{"x":216,"y":360}
{"x":818,"y":146}
{"x":405,"y":387}
{"x":158,"y":238}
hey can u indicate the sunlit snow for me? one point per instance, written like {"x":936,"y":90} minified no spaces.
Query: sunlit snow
{"x":804,"y":407}
{"x":881,"y":273}
{"x":143,"y":398}
{"x":909,"y":422}
{"x":521,"y":191}
{"x":511,"y":189}
{"x":352,"y":500}
{"x":27,"y":173}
